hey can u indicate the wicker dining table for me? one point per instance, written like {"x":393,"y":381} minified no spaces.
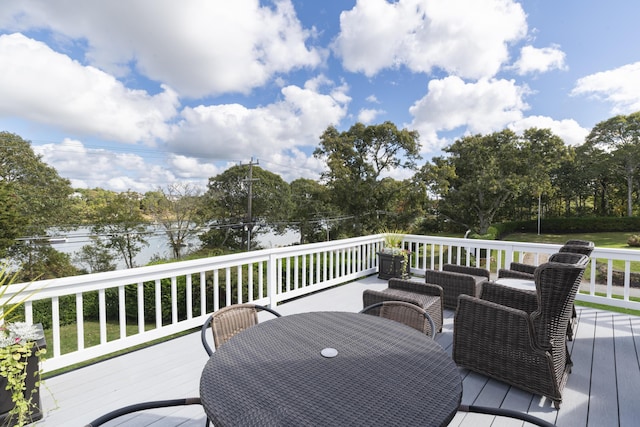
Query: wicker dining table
{"x":330,"y":369}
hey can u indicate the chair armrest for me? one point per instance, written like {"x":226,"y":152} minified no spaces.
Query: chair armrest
{"x":473,"y":271}
{"x":518,"y":299}
{"x":524,"y":268}
{"x":514,"y":274}
{"x":417,"y":287}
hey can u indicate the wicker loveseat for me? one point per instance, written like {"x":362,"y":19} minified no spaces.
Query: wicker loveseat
{"x":518,"y":336}
{"x":456,"y":280}
{"x":429,"y":297}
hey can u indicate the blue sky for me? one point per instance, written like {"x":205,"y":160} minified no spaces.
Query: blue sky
{"x":139,"y":96}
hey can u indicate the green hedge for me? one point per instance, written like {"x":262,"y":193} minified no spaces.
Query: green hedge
{"x":571,"y":225}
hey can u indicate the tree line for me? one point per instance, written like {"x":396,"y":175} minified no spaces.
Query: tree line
{"x":477,"y":181}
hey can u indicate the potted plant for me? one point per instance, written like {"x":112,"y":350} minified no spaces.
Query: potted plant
{"x":393,"y":259}
{"x":22,"y":346}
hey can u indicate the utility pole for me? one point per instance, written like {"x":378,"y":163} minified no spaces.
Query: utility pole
{"x":249,"y":181}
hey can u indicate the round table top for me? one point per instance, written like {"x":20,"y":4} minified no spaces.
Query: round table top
{"x":374,"y":371}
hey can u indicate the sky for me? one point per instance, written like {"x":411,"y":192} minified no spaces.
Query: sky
{"x":141,"y":94}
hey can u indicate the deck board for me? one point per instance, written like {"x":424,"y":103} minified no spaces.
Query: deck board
{"x":603,"y":375}
{"x":628,"y":380}
{"x":602,"y":388}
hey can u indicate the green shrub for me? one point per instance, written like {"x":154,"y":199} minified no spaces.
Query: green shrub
{"x":634,"y":241}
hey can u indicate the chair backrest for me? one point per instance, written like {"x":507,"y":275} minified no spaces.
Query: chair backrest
{"x":230,"y":320}
{"x":556,"y":288}
{"x":566,"y":257}
{"x":584,"y":247}
{"x":404,"y":312}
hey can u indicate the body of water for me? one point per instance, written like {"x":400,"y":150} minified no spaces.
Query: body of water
{"x":72,"y":242}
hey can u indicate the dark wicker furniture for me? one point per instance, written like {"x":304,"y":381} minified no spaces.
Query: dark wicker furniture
{"x":457,"y":280}
{"x":274,"y":374}
{"x":428,"y":297}
{"x":406,"y":313}
{"x":567,"y":254}
{"x":141,"y":407}
{"x":519,"y":336}
{"x":230,"y":320}
{"x":519,"y":270}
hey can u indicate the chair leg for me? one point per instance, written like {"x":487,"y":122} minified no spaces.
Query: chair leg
{"x":507,"y":413}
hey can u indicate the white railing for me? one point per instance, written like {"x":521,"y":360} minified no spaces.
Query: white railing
{"x":149,"y":303}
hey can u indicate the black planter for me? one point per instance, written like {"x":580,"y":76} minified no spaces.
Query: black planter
{"x":6,"y":404}
{"x":390,"y":266}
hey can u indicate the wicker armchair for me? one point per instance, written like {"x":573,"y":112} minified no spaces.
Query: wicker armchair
{"x":518,"y":270}
{"x":404,"y":312}
{"x":428,"y":297}
{"x":518,"y":336}
{"x":230,"y":320}
{"x":456,"y":280}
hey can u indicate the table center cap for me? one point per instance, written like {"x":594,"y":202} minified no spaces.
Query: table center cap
{"x":329,"y":352}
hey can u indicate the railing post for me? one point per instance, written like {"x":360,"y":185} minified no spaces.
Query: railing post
{"x":272,"y":280}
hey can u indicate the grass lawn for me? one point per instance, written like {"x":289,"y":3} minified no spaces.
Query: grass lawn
{"x":606,"y":240}
{"x":603,"y":240}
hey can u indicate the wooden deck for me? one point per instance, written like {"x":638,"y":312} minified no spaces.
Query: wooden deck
{"x":602,"y":389}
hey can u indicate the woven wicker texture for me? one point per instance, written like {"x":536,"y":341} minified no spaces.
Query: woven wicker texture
{"x":406,"y":313}
{"x":515,"y":343}
{"x":457,"y":280}
{"x":424,"y":295}
{"x":569,"y":253}
{"x":230,"y":320}
{"x":384,"y":374}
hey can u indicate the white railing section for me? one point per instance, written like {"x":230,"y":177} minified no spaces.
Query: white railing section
{"x":150,"y":303}
{"x":181,"y":295}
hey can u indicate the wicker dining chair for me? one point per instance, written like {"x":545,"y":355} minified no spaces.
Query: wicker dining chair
{"x":230,"y":320}
{"x":143,"y":406}
{"x":404,"y":312}
{"x":517,"y":336}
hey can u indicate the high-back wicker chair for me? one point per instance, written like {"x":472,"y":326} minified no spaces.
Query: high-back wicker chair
{"x":517,"y":336}
{"x":404,"y":312}
{"x":230,"y":320}
{"x":518,"y":270}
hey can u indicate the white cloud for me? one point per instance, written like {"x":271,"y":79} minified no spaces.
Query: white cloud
{"x":540,"y":60}
{"x":41,"y":85}
{"x":142,"y":170}
{"x":467,"y":38}
{"x":232,"y":131}
{"x":481,"y":107}
{"x":368,"y":115}
{"x":198,"y":47}
{"x":619,"y":87}
{"x":372,"y":99}
{"x":569,"y":130}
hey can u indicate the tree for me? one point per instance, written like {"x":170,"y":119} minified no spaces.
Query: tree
{"x":312,"y":209}
{"x":356,"y":159}
{"x":43,"y":197}
{"x":96,"y":257}
{"x":39,"y":261}
{"x":479,"y":176}
{"x":227,"y":206}
{"x":12,"y":223}
{"x":620,"y":135}
{"x":121,"y":224}
{"x":178,"y":209}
